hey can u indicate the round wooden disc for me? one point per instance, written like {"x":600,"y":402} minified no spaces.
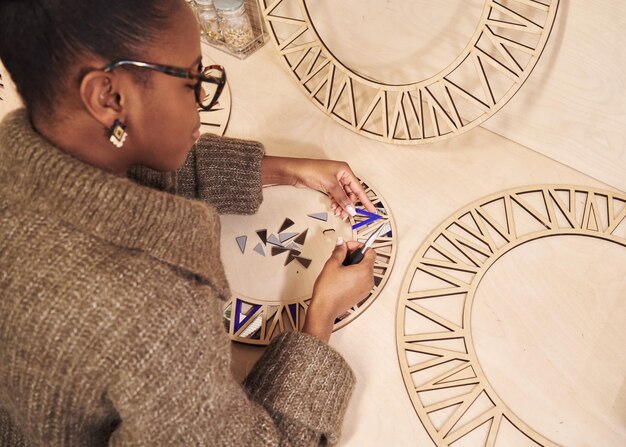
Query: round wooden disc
{"x":273,"y":257}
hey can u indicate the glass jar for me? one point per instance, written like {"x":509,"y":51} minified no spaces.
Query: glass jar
{"x":207,"y":16}
{"x":234,"y":22}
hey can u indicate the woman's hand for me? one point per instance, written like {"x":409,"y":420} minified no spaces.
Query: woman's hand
{"x":338,"y":288}
{"x":334,"y":178}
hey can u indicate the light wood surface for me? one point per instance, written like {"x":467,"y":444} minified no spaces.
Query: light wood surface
{"x":423,"y":187}
{"x":573,"y":108}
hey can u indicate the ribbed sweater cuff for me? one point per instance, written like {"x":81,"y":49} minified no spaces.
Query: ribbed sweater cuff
{"x":228,"y":173}
{"x":301,"y":378}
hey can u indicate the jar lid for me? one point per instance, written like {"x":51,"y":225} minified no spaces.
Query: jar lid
{"x":228,"y":5}
{"x":204,"y":2}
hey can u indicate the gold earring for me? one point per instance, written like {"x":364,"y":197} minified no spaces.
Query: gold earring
{"x":118,"y":134}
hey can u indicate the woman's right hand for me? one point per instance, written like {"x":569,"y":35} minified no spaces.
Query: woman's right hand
{"x":338,"y":288}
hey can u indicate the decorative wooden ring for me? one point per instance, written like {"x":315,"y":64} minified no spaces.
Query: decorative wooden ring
{"x":499,"y":57}
{"x":456,"y":256}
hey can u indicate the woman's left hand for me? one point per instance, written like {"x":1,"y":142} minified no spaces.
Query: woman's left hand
{"x":334,"y":178}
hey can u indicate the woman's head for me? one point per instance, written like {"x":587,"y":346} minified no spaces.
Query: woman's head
{"x":55,"y":51}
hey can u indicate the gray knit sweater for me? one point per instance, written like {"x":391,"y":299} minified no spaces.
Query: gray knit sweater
{"x":111,"y":298}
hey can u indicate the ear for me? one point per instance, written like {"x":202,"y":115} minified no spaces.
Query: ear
{"x":100,"y":93}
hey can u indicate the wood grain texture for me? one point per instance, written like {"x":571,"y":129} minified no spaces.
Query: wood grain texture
{"x":573,"y":107}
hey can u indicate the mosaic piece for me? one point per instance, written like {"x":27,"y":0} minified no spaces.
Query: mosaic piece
{"x":286,"y":236}
{"x":320,"y":216}
{"x":278,"y":250}
{"x":272,"y":239}
{"x":262,"y":235}
{"x":241,"y":242}
{"x":290,"y":257}
{"x":451,"y":264}
{"x":301,"y":238}
{"x":371,"y":217}
{"x":305,"y":262}
{"x":259,"y":249}
{"x":286,"y":224}
{"x":295,"y":247}
{"x":239,"y":319}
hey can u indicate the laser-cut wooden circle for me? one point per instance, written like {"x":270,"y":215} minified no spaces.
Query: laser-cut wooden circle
{"x":214,"y":122}
{"x":271,"y":293}
{"x":435,"y":348}
{"x":497,"y":60}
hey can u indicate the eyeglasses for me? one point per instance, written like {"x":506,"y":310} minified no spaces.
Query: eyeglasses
{"x":213,"y":77}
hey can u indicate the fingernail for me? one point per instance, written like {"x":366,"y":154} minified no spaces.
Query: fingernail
{"x":351,"y":211}
{"x":334,"y":206}
{"x":337,"y":211}
{"x":345,"y":218}
{"x":339,"y":240}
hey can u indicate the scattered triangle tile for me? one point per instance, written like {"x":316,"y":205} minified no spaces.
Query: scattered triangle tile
{"x":278,"y":250}
{"x":286,"y":236}
{"x":293,"y":309}
{"x":319,"y":216}
{"x":259,"y":249}
{"x":241,"y":241}
{"x":272,"y":239}
{"x":301,"y":238}
{"x":290,"y":257}
{"x":262,"y":235}
{"x":306,"y":262}
{"x":286,"y":224}
{"x":295,"y":248}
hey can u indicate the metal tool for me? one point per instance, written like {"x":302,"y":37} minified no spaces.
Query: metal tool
{"x":357,"y":256}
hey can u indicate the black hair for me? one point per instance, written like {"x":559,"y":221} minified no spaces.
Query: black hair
{"x":42,"y":40}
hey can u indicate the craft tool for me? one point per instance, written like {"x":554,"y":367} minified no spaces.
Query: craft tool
{"x":357,"y":255}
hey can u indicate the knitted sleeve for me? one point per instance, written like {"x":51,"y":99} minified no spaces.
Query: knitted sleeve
{"x":305,"y":386}
{"x":225,"y":172}
{"x":179,"y":390}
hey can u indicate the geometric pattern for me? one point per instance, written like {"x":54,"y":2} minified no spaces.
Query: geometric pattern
{"x":497,"y":60}
{"x":445,"y":382}
{"x":256,"y":321}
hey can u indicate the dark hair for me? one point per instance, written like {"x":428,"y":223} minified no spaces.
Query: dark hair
{"x":42,"y":40}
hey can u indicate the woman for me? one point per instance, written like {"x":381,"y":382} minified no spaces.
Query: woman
{"x":110,"y":291}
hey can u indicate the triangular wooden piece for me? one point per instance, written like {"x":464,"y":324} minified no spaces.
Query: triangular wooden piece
{"x":286,"y":224}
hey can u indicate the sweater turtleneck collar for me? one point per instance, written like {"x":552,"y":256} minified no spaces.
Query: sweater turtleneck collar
{"x":36,"y":175}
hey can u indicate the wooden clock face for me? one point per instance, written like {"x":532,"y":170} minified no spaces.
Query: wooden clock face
{"x":496,"y":60}
{"x":273,"y":257}
{"x":436,"y":349}
{"x":214,"y":122}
